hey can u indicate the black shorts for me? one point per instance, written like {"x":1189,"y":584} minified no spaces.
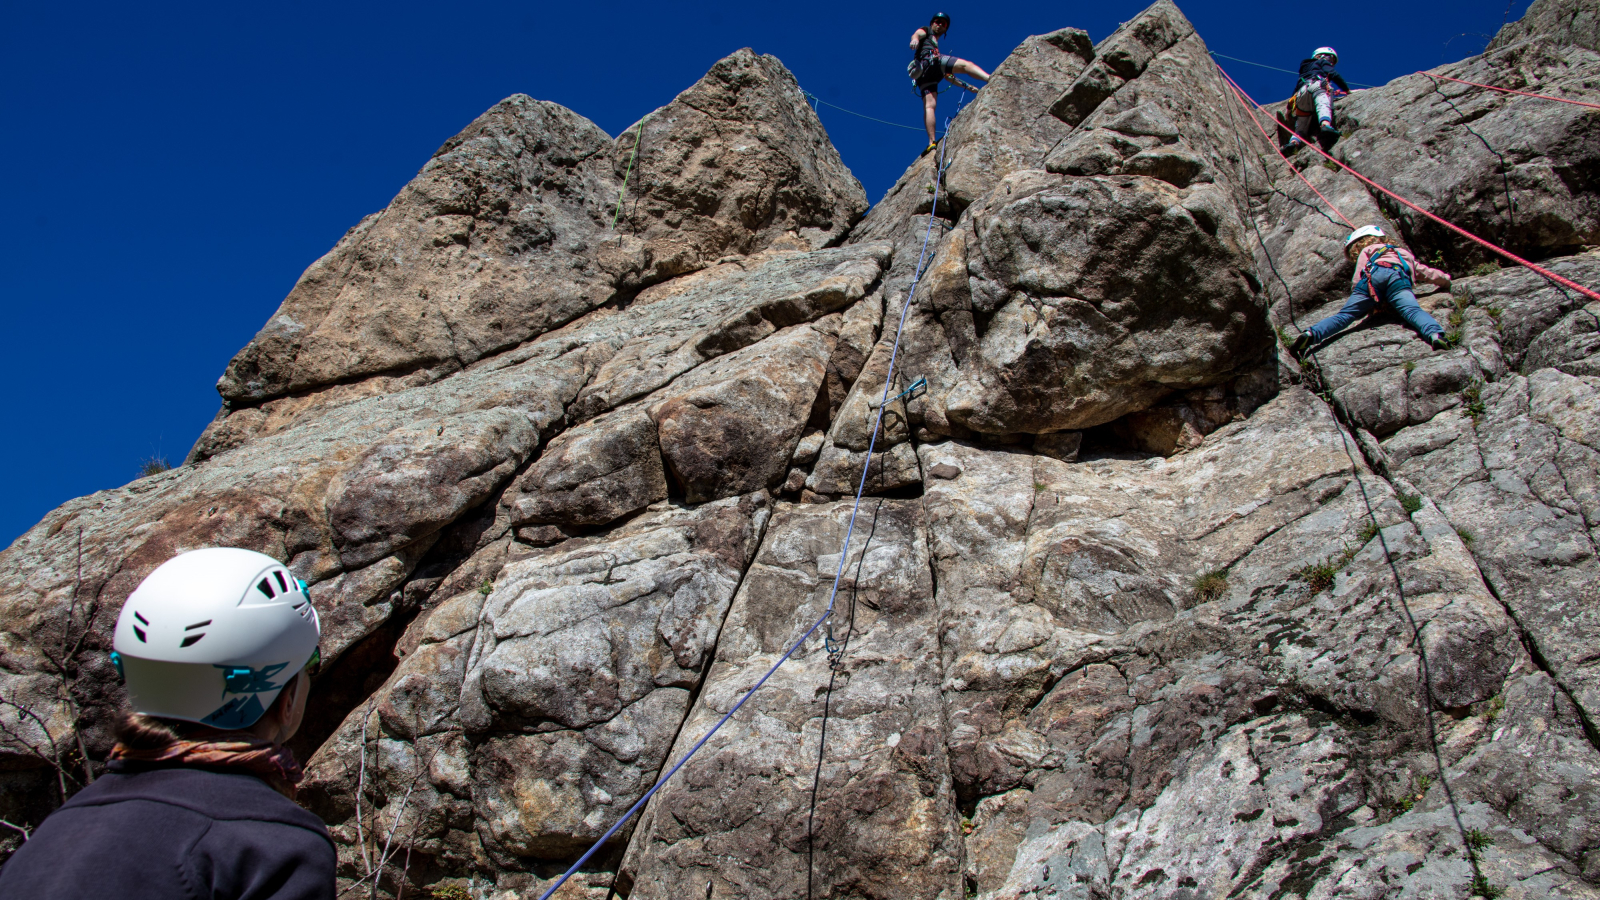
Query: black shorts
{"x":935,"y":73}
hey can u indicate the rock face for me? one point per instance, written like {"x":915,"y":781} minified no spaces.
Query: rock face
{"x":1136,"y":604}
{"x":505,"y":234}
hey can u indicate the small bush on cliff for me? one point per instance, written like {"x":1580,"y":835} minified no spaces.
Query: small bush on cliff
{"x":1209,"y":586}
{"x":154,"y":465}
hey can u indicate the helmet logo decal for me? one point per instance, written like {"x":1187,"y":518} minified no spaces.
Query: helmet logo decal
{"x":240,"y":712}
{"x":245,"y":680}
{"x":140,"y":631}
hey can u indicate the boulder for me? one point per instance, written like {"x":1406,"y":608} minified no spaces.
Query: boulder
{"x":506,"y":232}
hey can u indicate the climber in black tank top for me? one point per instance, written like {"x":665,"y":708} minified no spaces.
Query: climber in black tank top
{"x":929,"y":67}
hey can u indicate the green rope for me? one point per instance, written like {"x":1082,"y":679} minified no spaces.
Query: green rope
{"x":624,"y":192}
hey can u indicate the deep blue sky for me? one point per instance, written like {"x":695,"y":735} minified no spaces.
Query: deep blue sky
{"x":174,"y":167}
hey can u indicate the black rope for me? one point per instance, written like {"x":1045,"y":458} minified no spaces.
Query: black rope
{"x":1505,"y":170}
{"x":836,"y":652}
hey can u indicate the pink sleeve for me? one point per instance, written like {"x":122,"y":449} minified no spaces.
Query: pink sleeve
{"x":1426,"y":272}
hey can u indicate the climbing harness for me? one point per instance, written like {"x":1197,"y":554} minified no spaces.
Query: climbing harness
{"x":1251,"y":105}
{"x":866,"y":468}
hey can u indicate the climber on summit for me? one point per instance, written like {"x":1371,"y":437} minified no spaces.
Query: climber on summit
{"x":1313,"y":94}
{"x":928,"y":67}
{"x":214,"y":648}
{"x":1383,"y":273}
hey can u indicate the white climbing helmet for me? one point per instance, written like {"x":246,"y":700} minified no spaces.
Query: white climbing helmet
{"x":1327,"y":51}
{"x":212,"y":636}
{"x":1363,"y":231}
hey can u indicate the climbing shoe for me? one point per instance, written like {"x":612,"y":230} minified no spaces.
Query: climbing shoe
{"x":1328,"y":129}
{"x":932,"y":146}
{"x":1289,"y":146}
{"x":1301,"y":344}
{"x":1438,"y":341}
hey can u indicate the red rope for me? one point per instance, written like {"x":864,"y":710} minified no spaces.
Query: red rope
{"x":1510,"y":91}
{"x":1567,"y":282}
{"x":1274,"y":145}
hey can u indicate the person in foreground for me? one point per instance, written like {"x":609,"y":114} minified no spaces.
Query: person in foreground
{"x":1383,"y":273}
{"x":214,"y":648}
{"x":929,"y":67}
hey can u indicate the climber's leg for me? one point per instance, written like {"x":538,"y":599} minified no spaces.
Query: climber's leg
{"x":962,"y":67}
{"x":1359,"y":304}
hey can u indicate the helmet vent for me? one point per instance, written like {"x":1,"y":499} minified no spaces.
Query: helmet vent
{"x":140,"y":632}
{"x":191,"y":640}
{"x":142,"y":619}
{"x":304,"y":609}
{"x":197,"y":625}
{"x":265,"y":587}
{"x":283,"y":585}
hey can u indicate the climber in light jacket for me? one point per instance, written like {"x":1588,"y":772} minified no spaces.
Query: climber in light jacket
{"x":1313,"y":95}
{"x":214,"y":648}
{"x":1384,"y":273}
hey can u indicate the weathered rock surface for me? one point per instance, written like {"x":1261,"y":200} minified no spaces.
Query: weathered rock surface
{"x":1135,"y":606}
{"x":505,"y":234}
{"x":1564,"y":21}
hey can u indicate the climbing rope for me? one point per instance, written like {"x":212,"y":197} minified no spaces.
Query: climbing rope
{"x":1275,"y":68}
{"x":844,"y":552}
{"x":816,"y":99}
{"x":637,"y":135}
{"x":1510,"y":91}
{"x":1546,"y":273}
{"x":1274,"y":144}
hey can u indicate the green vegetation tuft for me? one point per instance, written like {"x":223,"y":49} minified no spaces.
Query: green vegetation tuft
{"x":1409,"y":502}
{"x":1482,"y":888}
{"x":1319,"y":576}
{"x":486,"y":588}
{"x":155,"y":465}
{"x":1472,"y":400}
{"x":1209,"y":586}
{"x":1466,"y":535}
{"x":1497,"y":705}
{"x":1488,"y":268}
{"x":454,"y":890}
{"x":1368,"y":531}
{"x":1477,"y":840}
{"x":1410,"y":366}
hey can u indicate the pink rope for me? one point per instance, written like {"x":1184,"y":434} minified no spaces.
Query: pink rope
{"x":1566,"y":282}
{"x":1274,"y":145}
{"x":1510,"y":91}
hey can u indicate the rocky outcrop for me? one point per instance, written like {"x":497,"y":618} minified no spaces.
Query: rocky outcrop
{"x":1563,"y":21}
{"x":1136,"y":605}
{"x":506,"y":234}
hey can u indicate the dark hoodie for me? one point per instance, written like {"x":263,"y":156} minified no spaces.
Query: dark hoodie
{"x":1317,"y":67}
{"x":159,"y":833}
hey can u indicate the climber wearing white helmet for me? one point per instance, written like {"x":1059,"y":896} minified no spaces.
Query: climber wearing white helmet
{"x":1313,"y":94}
{"x":215,"y":648}
{"x":1384,"y":273}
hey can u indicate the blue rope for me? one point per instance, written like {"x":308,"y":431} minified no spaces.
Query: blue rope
{"x":888,"y":384}
{"x":816,"y":99}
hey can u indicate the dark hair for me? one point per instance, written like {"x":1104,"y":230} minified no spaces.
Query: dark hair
{"x":137,"y":731}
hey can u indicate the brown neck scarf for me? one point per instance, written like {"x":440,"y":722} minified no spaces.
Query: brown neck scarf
{"x":273,"y":763}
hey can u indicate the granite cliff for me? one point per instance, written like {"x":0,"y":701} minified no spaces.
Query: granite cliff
{"x":1137,"y":606}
